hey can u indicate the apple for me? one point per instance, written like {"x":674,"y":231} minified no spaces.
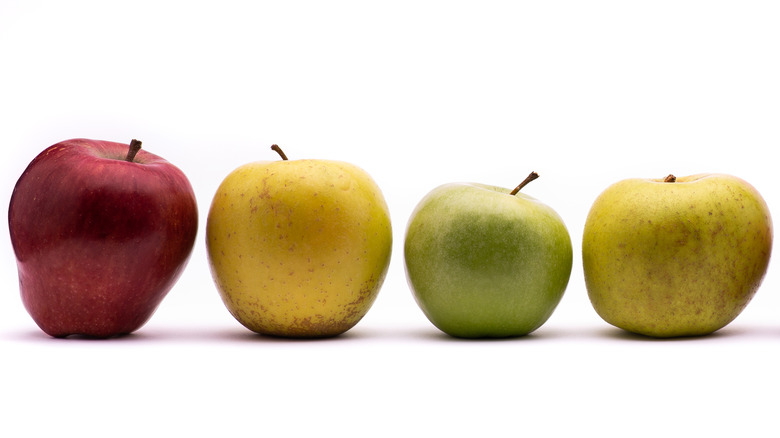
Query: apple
{"x":298,"y":248}
{"x":484,"y":261}
{"x":675,"y":256}
{"x":101,"y":232}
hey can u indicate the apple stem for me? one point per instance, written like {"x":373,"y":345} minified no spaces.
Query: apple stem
{"x":135,"y":146}
{"x":279,"y":151}
{"x":532,"y":176}
{"x":670,"y":178}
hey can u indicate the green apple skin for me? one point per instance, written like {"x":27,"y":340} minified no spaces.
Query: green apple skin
{"x":668,"y":259}
{"x":482,"y":263}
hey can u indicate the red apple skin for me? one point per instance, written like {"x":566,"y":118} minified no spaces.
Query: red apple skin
{"x":99,"y":241}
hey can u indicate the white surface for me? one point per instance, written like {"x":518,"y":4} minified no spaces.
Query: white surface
{"x":417,"y":93}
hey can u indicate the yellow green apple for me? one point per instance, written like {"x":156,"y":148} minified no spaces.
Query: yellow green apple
{"x":298,"y":248}
{"x":676,"y":256}
{"x":484,"y":261}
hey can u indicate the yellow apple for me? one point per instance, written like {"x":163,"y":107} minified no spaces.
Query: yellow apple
{"x":298,"y":248}
{"x":676,"y":256}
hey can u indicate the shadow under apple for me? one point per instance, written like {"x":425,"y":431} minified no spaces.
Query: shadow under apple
{"x":624,"y":335}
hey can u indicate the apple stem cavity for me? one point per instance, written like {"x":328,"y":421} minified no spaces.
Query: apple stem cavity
{"x":135,"y":146}
{"x":532,"y":176}
{"x":279,"y":151}
{"x":670,"y":178}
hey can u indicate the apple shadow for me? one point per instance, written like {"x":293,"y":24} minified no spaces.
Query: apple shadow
{"x":624,"y":335}
{"x":40,"y":336}
{"x":439,"y":336}
{"x":247,"y":336}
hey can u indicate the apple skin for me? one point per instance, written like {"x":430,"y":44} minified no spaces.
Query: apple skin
{"x":298,"y":248}
{"x":483,"y":263}
{"x":99,"y":241}
{"x":668,"y":259}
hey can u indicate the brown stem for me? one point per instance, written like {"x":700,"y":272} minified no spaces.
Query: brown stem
{"x":532,"y":176}
{"x":135,"y":146}
{"x":279,"y":151}
{"x":670,"y":178}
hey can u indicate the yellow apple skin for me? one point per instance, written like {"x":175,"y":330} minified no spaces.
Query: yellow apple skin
{"x":299,"y":248}
{"x":682,"y":258}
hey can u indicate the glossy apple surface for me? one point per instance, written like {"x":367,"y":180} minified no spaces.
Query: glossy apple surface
{"x":99,"y":241}
{"x":676,"y":258}
{"x":483,"y":263}
{"x":299,"y":248}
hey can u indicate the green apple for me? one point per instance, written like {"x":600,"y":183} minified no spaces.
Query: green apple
{"x":482,"y":261}
{"x":675,"y":256}
{"x":298,"y":248}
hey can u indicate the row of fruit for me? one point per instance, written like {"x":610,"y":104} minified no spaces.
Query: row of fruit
{"x":300,"y":248}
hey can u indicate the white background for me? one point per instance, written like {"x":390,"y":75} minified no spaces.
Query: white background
{"x":418,"y":93}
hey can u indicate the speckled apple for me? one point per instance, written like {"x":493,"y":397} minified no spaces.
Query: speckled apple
{"x":299,"y":248}
{"x":676,"y":256}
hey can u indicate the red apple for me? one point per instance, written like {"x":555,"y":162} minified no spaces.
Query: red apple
{"x":101,"y":232}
